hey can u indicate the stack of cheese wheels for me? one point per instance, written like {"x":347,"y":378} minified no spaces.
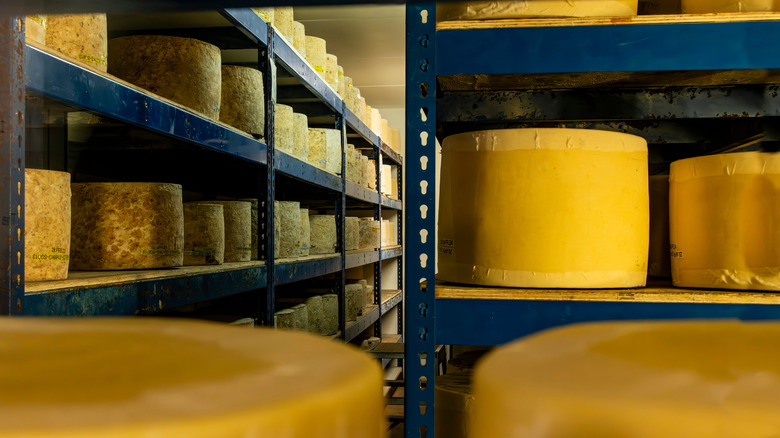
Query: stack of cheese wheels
{"x":325,"y":149}
{"x":126,"y":226}
{"x":204,"y":234}
{"x":561,"y":208}
{"x":536,"y":8}
{"x":242,"y":103}
{"x":238,"y":230}
{"x":659,"y":260}
{"x":283,"y":128}
{"x":723,"y":214}
{"x":231,"y":382}
{"x":299,"y":38}
{"x":35,"y":28}
{"x":185,"y":70}
{"x":315,"y":53}
{"x":644,"y":380}
{"x":323,"y":234}
{"x":79,"y":36}
{"x":47,"y":224}
{"x":716,"y":6}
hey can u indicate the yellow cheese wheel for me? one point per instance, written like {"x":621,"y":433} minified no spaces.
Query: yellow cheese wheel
{"x":659,"y":260}
{"x":299,"y":38}
{"x":723,"y":213}
{"x":535,"y":8}
{"x":714,"y":6}
{"x":46,"y":224}
{"x":639,"y":380}
{"x":454,"y":400}
{"x":242,"y":103}
{"x":79,"y":36}
{"x":35,"y":28}
{"x":332,"y":70}
{"x":283,"y":21}
{"x":315,"y":53}
{"x":145,"y":377}
{"x":544,"y":208}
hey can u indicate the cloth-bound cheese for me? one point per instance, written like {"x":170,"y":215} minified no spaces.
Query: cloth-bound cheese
{"x":561,"y":208}
{"x":204,"y":234}
{"x":659,"y":260}
{"x":632,"y":379}
{"x":184,"y":70}
{"x":79,"y":36}
{"x":242,"y":104}
{"x":238,"y":230}
{"x":47,"y":224}
{"x":322,"y":234}
{"x":535,"y":8}
{"x":325,"y":149}
{"x":723,"y":216}
{"x":119,"y":226}
{"x":716,"y":6}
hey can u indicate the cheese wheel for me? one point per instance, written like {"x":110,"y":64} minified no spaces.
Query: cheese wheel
{"x":376,"y":121}
{"x":299,"y":38}
{"x":117,"y":226}
{"x":184,"y":70}
{"x":300,"y":136}
{"x":325,"y":149}
{"x":385,"y":131}
{"x":350,"y":96}
{"x":332,"y":70}
{"x":305,"y":232}
{"x":330,"y":308}
{"x":342,"y":85}
{"x":367,"y":292}
{"x":204,"y":234}
{"x":542,"y":208}
{"x":369,"y":233}
{"x":659,"y":260}
{"x":354,"y":298}
{"x":300,"y":317}
{"x":35,"y":28}
{"x":238,"y":230}
{"x":284,"y":319}
{"x":657,"y":7}
{"x":362,"y":109}
{"x":267,"y":14}
{"x":229,"y":381}
{"x":536,"y":8}
{"x":454,"y":400}
{"x":640,"y":380}
{"x":315,"y":53}
{"x":79,"y":36}
{"x":46,"y":224}
{"x":242,"y":103}
{"x":717,"y":6}
{"x":387,"y":180}
{"x":353,"y":158}
{"x":364,"y":170}
{"x":289,"y":228}
{"x":315,"y":313}
{"x":723,"y":216}
{"x":369,"y":172}
{"x":352,"y":233}
{"x":283,"y":21}
{"x":323,"y":234}
{"x":396,"y":145}
{"x":283,"y":128}
{"x":254,"y":203}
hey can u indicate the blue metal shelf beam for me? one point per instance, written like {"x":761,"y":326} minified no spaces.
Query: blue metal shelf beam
{"x":391,"y":203}
{"x":619,"y":48}
{"x":361,"y":193}
{"x":305,"y":269}
{"x":292,"y":166}
{"x":393,"y":156}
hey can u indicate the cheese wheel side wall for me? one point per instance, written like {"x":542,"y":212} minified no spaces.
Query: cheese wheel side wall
{"x":47,"y":229}
{"x":242,"y":104}
{"x":535,"y":8}
{"x":544,"y":208}
{"x":80,"y":36}
{"x":204,"y":234}
{"x":238,"y":230}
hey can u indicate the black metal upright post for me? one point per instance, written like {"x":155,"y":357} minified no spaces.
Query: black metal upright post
{"x":341,"y":213}
{"x":268,"y":67}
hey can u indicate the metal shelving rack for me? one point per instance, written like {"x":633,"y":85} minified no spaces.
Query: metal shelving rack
{"x":32,"y":74}
{"x":665,"y":65}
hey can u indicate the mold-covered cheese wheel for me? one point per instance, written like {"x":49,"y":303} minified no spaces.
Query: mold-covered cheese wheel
{"x":315,"y":53}
{"x":299,"y":38}
{"x":204,"y":234}
{"x":79,"y":36}
{"x":238,"y":230}
{"x":323,"y":234}
{"x":242,"y":104}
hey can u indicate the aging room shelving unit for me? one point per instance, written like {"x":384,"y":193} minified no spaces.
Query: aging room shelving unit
{"x":40,"y":89}
{"x":689,"y":84}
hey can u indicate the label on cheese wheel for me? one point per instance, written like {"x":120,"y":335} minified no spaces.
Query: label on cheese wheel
{"x":161,"y":250}
{"x":55,"y":254}
{"x":447,"y":246}
{"x":675,"y":252}
{"x":319,"y":68}
{"x":93,"y":59}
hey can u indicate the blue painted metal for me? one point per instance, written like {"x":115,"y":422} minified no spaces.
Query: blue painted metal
{"x":12,"y":170}
{"x":304,"y":171}
{"x":390,"y":253}
{"x":491,"y":322}
{"x":392,"y":155}
{"x":358,"y":127}
{"x":388,"y":305}
{"x":59,"y":79}
{"x":617,"y":104}
{"x":305,"y":269}
{"x":629,"y":47}
{"x":267,"y":64}
{"x":391,"y":203}
{"x":353,"y":329}
{"x":144,"y":297}
{"x":249,"y":23}
{"x":341,"y":225}
{"x":361,"y":258}
{"x":361,"y":193}
{"x":420,"y":363}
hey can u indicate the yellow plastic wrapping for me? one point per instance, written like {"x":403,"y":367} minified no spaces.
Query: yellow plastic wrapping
{"x":151,"y":377}
{"x":535,"y":8}
{"x":724,"y":213}
{"x":544,"y":208}
{"x":710,"y":6}
{"x":638,"y":380}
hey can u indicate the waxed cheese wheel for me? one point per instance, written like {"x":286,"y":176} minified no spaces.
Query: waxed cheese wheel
{"x":238,"y":230}
{"x":299,"y":38}
{"x":204,"y":234}
{"x":283,"y":126}
{"x":47,"y":224}
{"x":184,"y":70}
{"x":315,"y":53}
{"x":242,"y":104}
{"x":229,"y":381}
{"x":79,"y":36}
{"x":560,"y":208}
{"x":322,"y":234}
{"x":659,"y":260}
{"x":535,"y":8}
{"x":35,"y":28}
{"x":117,"y":226}
{"x":717,"y":6}
{"x":723,"y":216}
{"x":632,"y":379}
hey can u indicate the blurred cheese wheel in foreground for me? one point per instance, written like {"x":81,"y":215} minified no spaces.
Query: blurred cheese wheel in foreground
{"x":535,"y":8}
{"x":639,"y":380}
{"x":724,"y":212}
{"x":561,"y":208}
{"x":715,"y":6}
{"x":143,"y":377}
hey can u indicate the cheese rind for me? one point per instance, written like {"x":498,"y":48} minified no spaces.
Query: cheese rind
{"x":47,"y":228}
{"x":79,"y":36}
{"x":283,"y":128}
{"x":544,"y":208}
{"x":719,"y":6}
{"x":238,"y":230}
{"x":242,"y":105}
{"x":535,"y":8}
{"x":723,"y":211}
{"x":204,"y":234}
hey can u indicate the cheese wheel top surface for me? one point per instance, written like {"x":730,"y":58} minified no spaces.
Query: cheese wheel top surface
{"x":547,"y":139}
{"x":128,"y":377}
{"x":740,"y":163}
